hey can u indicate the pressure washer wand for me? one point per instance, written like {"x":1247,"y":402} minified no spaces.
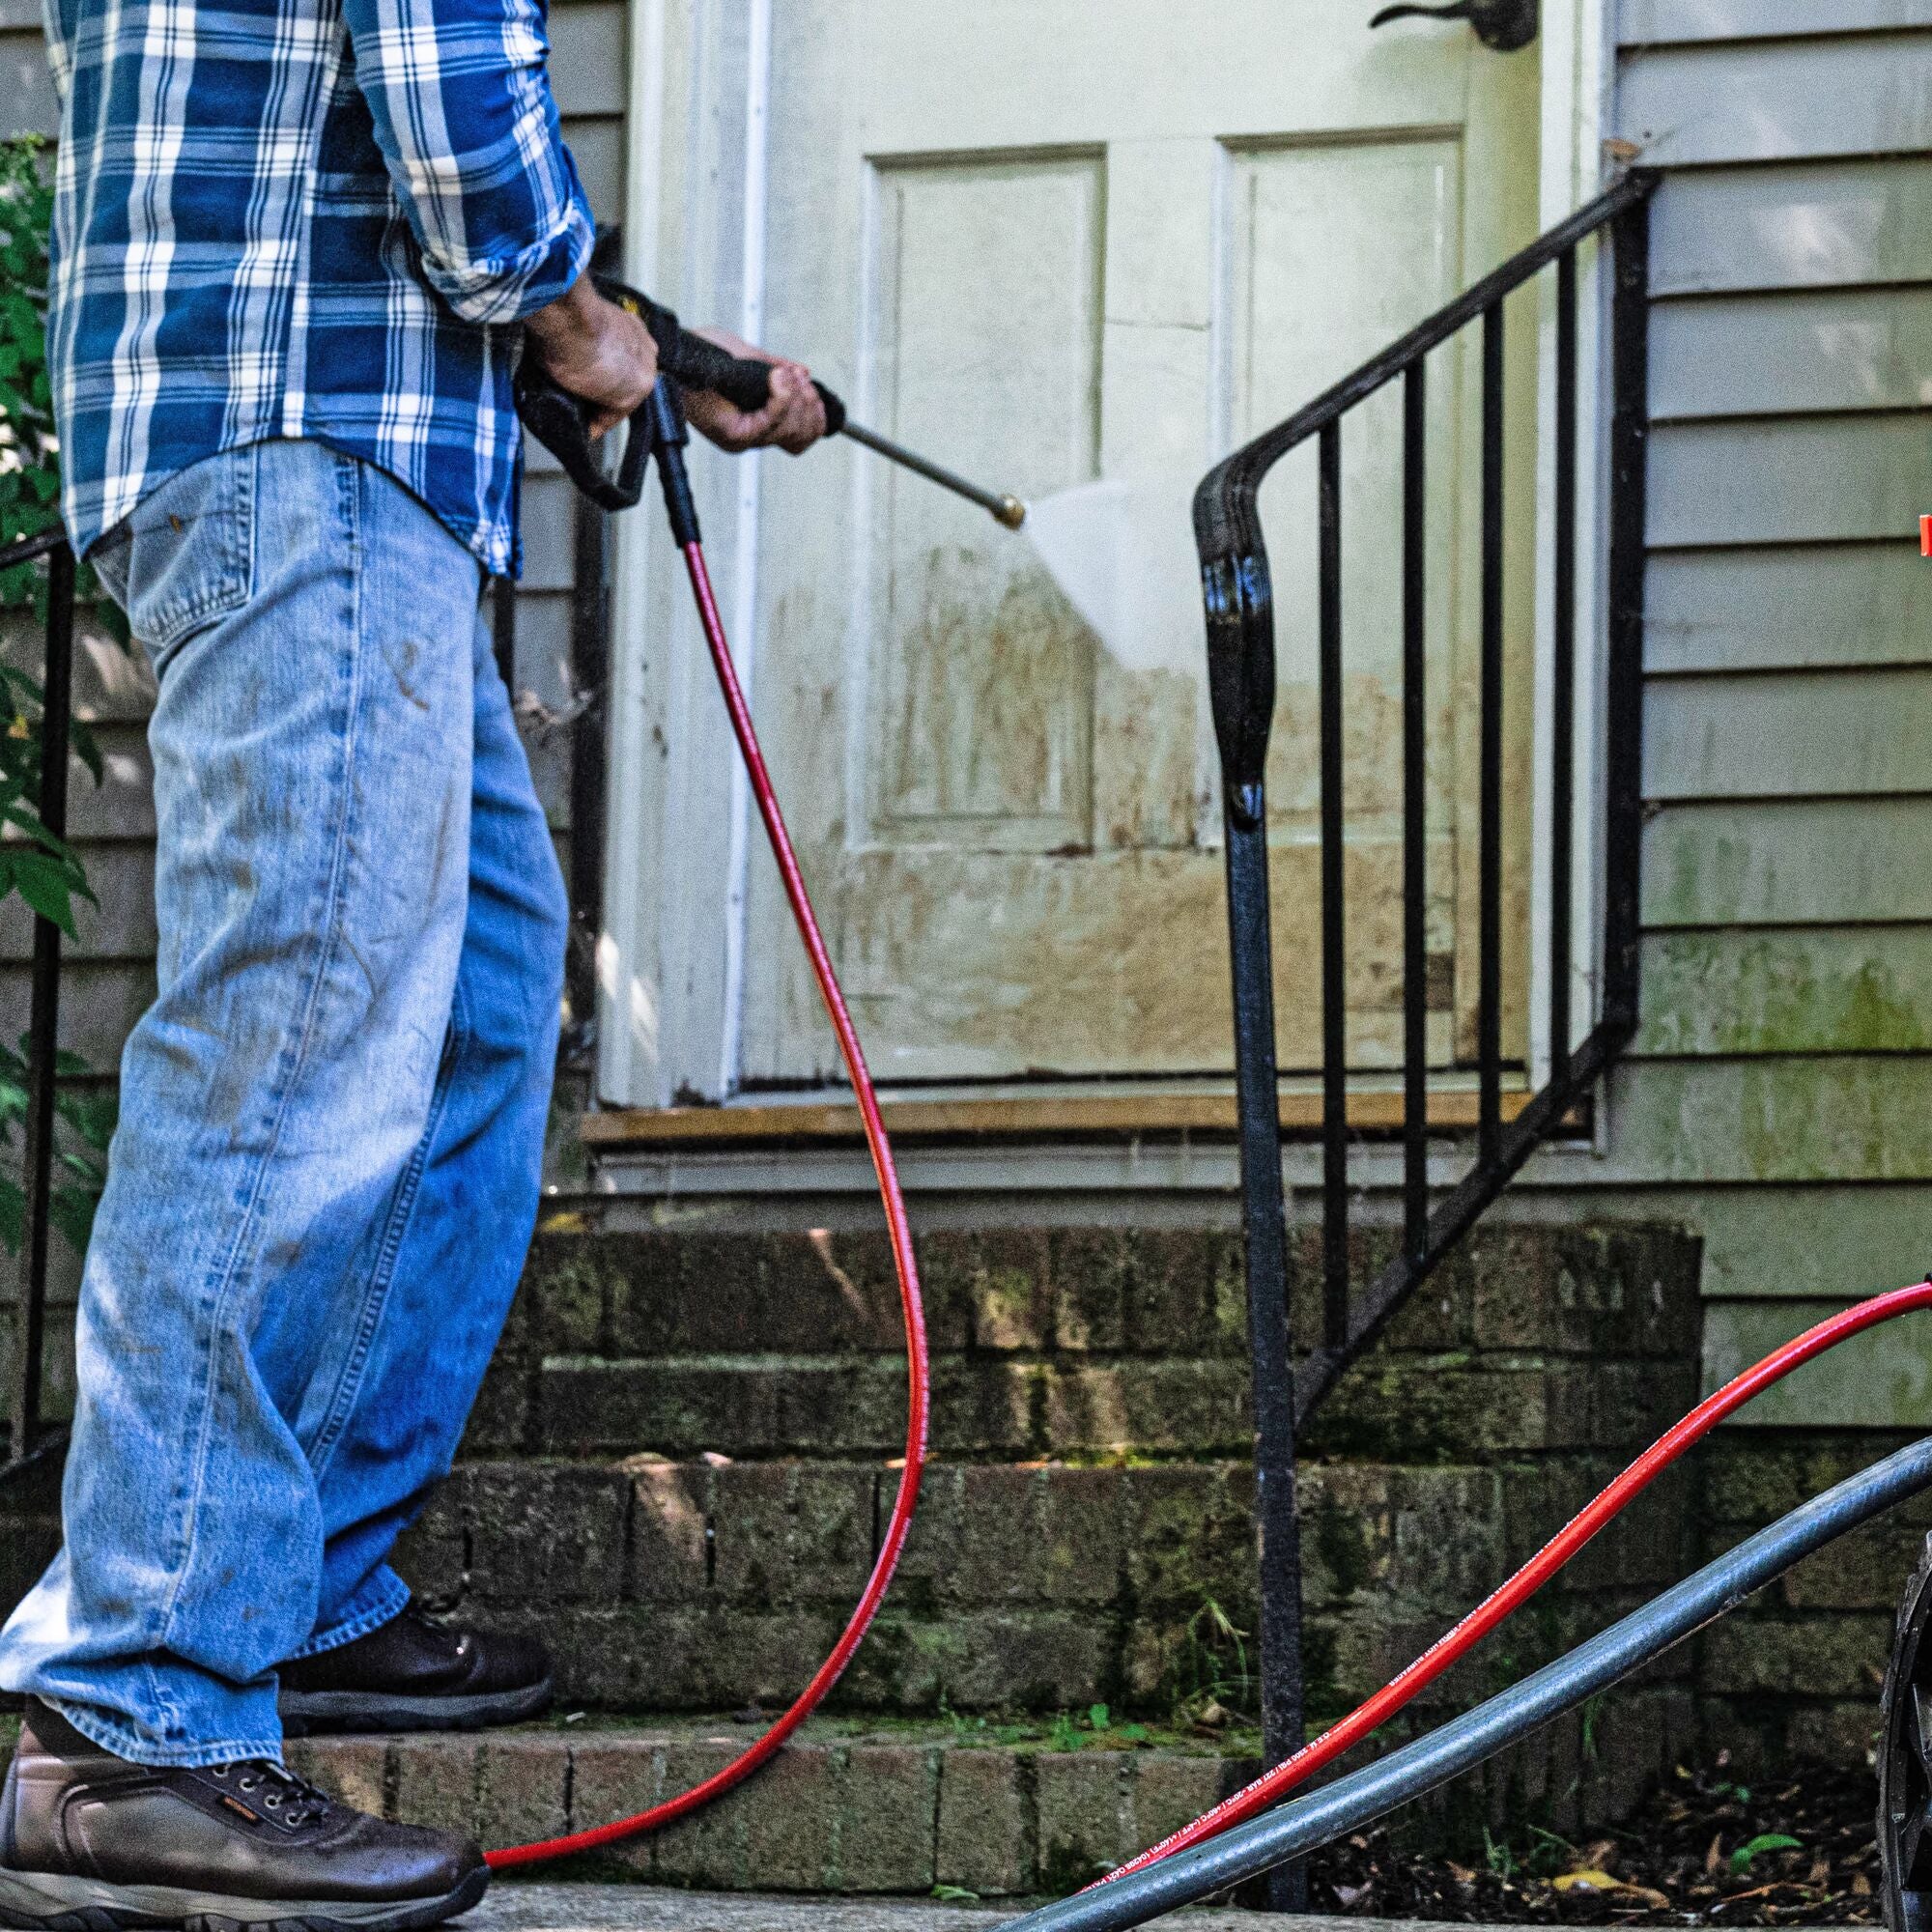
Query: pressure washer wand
{"x":1002,"y":508}
{"x":560,"y":422}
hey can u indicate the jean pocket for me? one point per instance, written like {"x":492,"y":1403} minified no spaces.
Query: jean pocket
{"x":186,"y":555}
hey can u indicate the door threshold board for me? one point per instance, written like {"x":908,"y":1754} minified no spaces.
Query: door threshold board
{"x":1010,"y":1117}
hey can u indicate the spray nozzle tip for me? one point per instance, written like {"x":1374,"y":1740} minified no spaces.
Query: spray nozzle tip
{"x":1011,"y":512}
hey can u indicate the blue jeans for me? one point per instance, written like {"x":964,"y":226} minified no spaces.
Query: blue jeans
{"x":332,"y":1118}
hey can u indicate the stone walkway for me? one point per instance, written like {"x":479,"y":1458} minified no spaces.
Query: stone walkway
{"x":513,"y":1907}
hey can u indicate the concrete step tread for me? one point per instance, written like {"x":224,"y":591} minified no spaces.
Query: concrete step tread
{"x":513,"y":1906}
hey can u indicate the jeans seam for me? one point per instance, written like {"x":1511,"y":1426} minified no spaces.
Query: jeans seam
{"x":383,"y":1276}
{"x":126,"y":1743}
{"x":231,"y":1267}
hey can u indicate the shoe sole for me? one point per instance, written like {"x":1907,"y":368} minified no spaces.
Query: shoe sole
{"x":316,"y":1713}
{"x":49,"y":1902}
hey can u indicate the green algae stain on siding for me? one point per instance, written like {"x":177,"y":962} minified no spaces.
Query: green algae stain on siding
{"x":1788,"y":992}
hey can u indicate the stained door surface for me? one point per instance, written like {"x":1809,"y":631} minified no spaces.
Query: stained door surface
{"x":1054,"y":241}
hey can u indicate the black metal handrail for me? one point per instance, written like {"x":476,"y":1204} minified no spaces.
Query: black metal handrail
{"x":1238,"y":592}
{"x":28,"y":1438}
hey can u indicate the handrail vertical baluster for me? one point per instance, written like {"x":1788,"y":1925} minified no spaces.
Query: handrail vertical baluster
{"x":1334,"y":951}
{"x":43,"y":1021}
{"x":1489,"y":835}
{"x":1414,"y":817}
{"x":1563,"y":668}
{"x":1623,"y":725}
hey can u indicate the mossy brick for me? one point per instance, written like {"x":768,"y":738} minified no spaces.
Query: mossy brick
{"x":1418,"y":1409}
{"x":1595,"y":1290}
{"x":888,"y":1818}
{"x":791,"y":1827}
{"x":833,"y":1511}
{"x":1754,"y":1477}
{"x":520,"y":1789}
{"x":1170,"y":1789}
{"x":500,"y":1420}
{"x":1171,"y":1292}
{"x":433,"y":1553}
{"x":1865,"y":1571}
{"x":1196,"y":1406}
{"x":1819,"y":1656}
{"x":707,"y":1847}
{"x":1633,"y":1402}
{"x":902,"y":1667}
{"x":356,"y":1770}
{"x":679,"y":1406}
{"x":839,"y":1407}
{"x":563,"y":1301}
{"x":548,"y":1533}
{"x":997,"y":1556}
{"x":1079,"y":1549}
{"x":985,"y":1835}
{"x":1092,"y":1271}
{"x":931,"y":1549}
{"x":948,"y":1258}
{"x":668,"y":1556}
{"x":1226,"y":1317}
{"x":1006,"y":1275}
{"x":434,"y":1782}
{"x":832,"y":1289}
{"x":719,"y":1288}
{"x":615,"y":1777}
{"x":1029,"y":1660}
{"x":1086,"y":1816}
{"x":751,"y":1507}
{"x":985,"y":1407}
{"x":1188,"y":1532}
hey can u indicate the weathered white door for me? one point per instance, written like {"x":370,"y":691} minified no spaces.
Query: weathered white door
{"x":1049,"y":241}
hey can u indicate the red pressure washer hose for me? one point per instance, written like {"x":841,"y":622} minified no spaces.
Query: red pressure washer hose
{"x":903,"y":1260}
{"x":1552,"y":1557}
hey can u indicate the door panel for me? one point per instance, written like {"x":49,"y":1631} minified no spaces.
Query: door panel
{"x":981,"y":686}
{"x":1103,"y":237}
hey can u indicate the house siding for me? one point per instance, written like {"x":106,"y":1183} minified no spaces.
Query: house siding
{"x":1780,"y":1092}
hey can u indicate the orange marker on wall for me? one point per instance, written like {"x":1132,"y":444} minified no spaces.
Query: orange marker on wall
{"x":1925,"y":536}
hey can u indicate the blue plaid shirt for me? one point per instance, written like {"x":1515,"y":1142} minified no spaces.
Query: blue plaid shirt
{"x":319,"y":218}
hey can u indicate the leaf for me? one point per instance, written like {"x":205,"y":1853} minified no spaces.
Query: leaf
{"x":48,"y":890}
{"x":1098,"y":1717}
{"x":1764,"y":1841}
{"x":1588,"y":1879}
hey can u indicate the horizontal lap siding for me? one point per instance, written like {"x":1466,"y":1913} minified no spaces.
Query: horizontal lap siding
{"x":112,"y":976}
{"x":1786,"y":1045}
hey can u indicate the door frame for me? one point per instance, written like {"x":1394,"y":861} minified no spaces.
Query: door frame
{"x":670,"y":956}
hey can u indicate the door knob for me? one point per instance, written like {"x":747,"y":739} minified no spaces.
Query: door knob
{"x":1503,"y":24}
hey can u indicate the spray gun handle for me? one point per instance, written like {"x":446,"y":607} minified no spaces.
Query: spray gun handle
{"x":561,"y":421}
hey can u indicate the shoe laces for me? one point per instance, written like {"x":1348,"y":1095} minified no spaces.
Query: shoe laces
{"x":288,"y":1799}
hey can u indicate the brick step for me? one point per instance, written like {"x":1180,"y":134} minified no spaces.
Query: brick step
{"x":998,"y":1811}
{"x":689,"y":1586}
{"x":1071,"y":1340}
{"x":1415,"y":1406}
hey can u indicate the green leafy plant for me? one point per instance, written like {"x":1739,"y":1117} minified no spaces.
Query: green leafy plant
{"x":44,"y":870}
{"x":1752,"y":1849}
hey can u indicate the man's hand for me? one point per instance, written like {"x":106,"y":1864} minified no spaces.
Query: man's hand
{"x":595,"y":350}
{"x":794,"y":418}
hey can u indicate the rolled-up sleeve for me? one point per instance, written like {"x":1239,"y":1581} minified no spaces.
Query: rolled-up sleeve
{"x":467,"y":126}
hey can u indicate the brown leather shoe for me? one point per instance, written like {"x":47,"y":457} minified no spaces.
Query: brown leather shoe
{"x":417,"y":1673}
{"x":89,"y":1842}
